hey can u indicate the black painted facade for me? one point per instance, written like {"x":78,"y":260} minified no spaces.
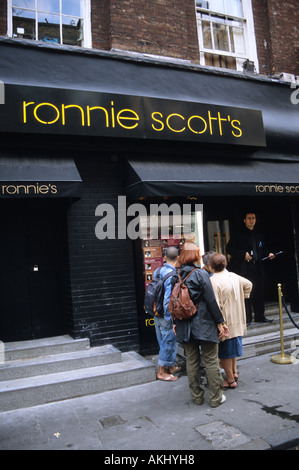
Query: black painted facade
{"x":102,"y":286}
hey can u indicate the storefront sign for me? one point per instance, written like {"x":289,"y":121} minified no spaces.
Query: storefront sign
{"x":39,"y":189}
{"x":40,"y":110}
{"x":277,"y":189}
{"x":30,"y":189}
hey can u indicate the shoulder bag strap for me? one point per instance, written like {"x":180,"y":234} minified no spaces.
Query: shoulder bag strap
{"x":189,"y":274}
{"x":168,"y":275}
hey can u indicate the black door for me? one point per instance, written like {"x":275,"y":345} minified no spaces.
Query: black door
{"x":32,"y":270}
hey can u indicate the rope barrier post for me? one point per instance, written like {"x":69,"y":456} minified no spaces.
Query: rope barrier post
{"x":281,"y":358}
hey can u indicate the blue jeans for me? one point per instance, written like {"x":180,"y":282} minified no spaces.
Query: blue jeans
{"x":167,"y":342}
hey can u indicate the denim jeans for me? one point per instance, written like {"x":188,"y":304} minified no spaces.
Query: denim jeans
{"x":167,"y":342}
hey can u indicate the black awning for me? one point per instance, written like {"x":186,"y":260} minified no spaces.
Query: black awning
{"x":191,"y":177}
{"x":108,"y":72}
{"x":28,"y":176}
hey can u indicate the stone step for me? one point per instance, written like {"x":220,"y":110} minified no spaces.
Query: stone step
{"x":49,"y":364}
{"x":51,"y":369}
{"x":273,"y":309}
{"x":265,"y":343}
{"x":42,"y":347}
{"x":264,"y":338}
{"x":31,"y":391}
{"x":255,"y":329}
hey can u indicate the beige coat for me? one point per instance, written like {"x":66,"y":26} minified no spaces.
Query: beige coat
{"x":231,"y":290}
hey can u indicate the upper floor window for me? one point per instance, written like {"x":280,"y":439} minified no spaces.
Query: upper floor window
{"x":226,"y":33}
{"x":54,"y":21}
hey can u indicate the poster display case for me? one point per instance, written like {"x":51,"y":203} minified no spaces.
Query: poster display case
{"x":170,"y":230}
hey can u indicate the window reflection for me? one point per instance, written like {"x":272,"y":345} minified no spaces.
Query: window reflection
{"x":48,"y":5}
{"x":72,"y":31}
{"x":24,"y":3}
{"x":69,"y":7}
{"x":231,"y":7}
{"x":55,"y":21}
{"x":24,"y":24}
{"x":48,"y":28}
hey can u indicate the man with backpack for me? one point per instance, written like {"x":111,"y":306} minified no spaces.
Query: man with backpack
{"x":164,"y":324}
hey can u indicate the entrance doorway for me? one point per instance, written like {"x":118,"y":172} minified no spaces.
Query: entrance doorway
{"x":31,"y":269}
{"x":274,"y":220}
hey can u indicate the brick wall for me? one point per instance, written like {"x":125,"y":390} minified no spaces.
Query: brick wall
{"x":168,"y":28}
{"x":100,"y":24}
{"x":284,"y":21}
{"x":276,"y":27}
{"x":3,"y":18}
{"x":163,"y":27}
{"x":262,"y":35}
{"x":103,"y":295}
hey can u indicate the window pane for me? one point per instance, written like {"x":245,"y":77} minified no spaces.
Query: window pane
{"x":232,"y":7}
{"x":23,"y":24}
{"x":237,"y":40}
{"x":220,"y":37}
{"x":217,"y":5}
{"x":23,"y":3}
{"x":72,"y":7}
{"x":202,"y":4}
{"x":51,"y":6}
{"x":48,"y":28}
{"x":207,"y":35}
{"x":72,"y":31}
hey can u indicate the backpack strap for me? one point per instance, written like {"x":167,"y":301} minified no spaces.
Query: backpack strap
{"x":187,"y":274}
{"x":158,"y":271}
{"x":168,"y":275}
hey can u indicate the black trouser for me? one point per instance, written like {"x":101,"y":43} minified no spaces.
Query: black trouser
{"x":255,"y":274}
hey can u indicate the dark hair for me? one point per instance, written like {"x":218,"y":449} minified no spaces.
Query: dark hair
{"x":172,"y":253}
{"x":249,"y":211}
{"x":217,"y":262}
{"x":190,"y":254}
{"x":206,"y":257}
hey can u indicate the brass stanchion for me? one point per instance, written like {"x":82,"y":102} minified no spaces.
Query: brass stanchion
{"x":281,"y":358}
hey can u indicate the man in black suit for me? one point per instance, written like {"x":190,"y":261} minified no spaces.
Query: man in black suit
{"x":247,"y":250}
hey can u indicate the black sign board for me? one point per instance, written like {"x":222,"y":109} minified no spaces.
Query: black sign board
{"x":42,"y":110}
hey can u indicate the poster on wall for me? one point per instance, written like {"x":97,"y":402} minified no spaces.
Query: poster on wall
{"x":152,"y":258}
{"x":154,"y":252}
{"x":154,"y":249}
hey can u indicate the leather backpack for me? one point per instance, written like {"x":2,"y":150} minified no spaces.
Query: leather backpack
{"x":181,"y":306}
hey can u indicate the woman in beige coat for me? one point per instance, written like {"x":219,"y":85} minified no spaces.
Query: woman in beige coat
{"x":230,"y":292}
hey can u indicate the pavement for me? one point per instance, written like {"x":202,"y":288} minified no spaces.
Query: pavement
{"x":262,"y":413}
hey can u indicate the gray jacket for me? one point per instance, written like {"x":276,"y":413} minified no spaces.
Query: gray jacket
{"x":203,"y":325}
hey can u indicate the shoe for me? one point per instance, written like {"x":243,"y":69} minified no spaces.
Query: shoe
{"x":223,"y":399}
{"x":226,"y":387}
{"x":170,"y":378}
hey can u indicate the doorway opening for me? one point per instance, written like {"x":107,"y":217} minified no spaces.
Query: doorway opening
{"x":33,"y":266}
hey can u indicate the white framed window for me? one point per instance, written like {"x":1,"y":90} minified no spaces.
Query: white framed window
{"x":53,"y":21}
{"x":226,"y":33}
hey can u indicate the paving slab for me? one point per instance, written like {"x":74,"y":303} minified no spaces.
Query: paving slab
{"x":262,"y":413}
